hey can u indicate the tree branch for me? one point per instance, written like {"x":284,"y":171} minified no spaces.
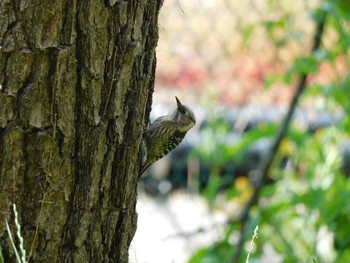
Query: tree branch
{"x":263,"y":171}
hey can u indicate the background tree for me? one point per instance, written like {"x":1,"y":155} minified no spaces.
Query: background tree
{"x":76,"y":83}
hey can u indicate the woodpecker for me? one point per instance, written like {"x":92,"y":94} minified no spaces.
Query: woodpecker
{"x":165,"y":134}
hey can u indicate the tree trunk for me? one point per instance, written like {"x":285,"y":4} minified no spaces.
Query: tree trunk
{"x":76,"y":82}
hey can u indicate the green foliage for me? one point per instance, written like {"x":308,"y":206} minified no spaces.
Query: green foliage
{"x":343,"y":7}
{"x":304,"y":216}
{"x":214,"y":142}
{"x":217,"y":253}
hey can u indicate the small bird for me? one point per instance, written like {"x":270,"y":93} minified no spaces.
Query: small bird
{"x":165,"y":134}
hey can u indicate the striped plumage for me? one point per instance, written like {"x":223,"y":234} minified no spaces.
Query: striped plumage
{"x":166,"y":132}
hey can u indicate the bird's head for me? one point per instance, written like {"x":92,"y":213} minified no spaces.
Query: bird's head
{"x":184,"y":116}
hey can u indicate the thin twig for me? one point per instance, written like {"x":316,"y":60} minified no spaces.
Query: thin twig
{"x":19,"y":235}
{"x":180,"y":7}
{"x":12,"y":241}
{"x":251,"y":246}
{"x":262,"y":173}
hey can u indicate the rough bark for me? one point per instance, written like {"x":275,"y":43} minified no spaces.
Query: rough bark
{"x":76,"y":82}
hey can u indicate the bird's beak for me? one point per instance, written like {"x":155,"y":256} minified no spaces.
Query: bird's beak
{"x":179,"y":105}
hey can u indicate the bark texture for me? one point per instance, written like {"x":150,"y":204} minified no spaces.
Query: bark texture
{"x":76,"y":82}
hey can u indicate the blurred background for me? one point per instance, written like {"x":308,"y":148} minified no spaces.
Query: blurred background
{"x":236,"y":64}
